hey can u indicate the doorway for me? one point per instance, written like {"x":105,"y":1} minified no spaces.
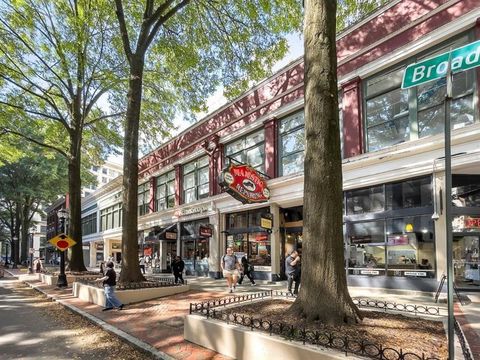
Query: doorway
{"x":466,"y":261}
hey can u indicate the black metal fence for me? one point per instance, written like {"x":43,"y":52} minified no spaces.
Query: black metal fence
{"x":467,"y":354}
{"x":334,"y":340}
{"x":385,"y":305}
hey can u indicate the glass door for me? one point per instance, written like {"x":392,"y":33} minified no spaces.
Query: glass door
{"x":466,"y":261}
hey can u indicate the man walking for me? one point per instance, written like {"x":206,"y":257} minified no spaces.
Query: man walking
{"x":109,"y":282}
{"x":177,"y":267}
{"x":229,"y":265}
{"x":293,"y":271}
{"x":141,"y":262}
{"x":247,"y":270}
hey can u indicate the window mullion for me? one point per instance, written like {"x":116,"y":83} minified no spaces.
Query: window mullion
{"x":413,"y":112}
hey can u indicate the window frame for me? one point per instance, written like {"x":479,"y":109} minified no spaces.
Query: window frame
{"x":260,"y":167}
{"x":281,"y":135}
{"x":169,"y":178}
{"x":144,"y":195}
{"x":196,"y":170}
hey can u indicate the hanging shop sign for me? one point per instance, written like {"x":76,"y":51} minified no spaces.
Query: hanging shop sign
{"x":266,"y":221}
{"x":170,"y":235}
{"x":245,"y":184}
{"x":205,"y":231}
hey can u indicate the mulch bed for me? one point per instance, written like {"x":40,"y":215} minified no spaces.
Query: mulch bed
{"x":411,"y":334}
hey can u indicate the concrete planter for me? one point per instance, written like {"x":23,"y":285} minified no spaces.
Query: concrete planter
{"x":243,"y":344}
{"x":52,"y":279}
{"x":96,"y":295}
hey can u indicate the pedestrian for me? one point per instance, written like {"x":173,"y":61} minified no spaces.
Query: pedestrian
{"x":142,"y":264}
{"x":293,"y":271}
{"x":102,"y":268}
{"x":247,"y":270}
{"x":109,"y":282}
{"x":230,"y":266}
{"x":177,"y":266}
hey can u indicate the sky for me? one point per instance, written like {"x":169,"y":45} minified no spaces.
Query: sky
{"x":217,"y":100}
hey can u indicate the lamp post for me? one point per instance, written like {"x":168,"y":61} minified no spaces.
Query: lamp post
{"x":62,"y":215}
{"x":13,"y":252}
{"x":32,"y":232}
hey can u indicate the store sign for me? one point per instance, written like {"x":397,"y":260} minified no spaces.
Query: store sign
{"x":370,"y":272}
{"x":415,"y":273}
{"x":245,"y":184}
{"x":471,"y":223}
{"x":461,"y":59}
{"x":266,"y":223}
{"x":170,"y":235}
{"x":205,"y":231}
{"x":261,"y":237}
{"x":193,"y":210}
{"x":361,"y":239}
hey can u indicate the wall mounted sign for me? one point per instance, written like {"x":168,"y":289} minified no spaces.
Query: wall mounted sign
{"x":266,"y":221}
{"x":415,"y":273}
{"x":245,"y":184}
{"x":194,"y":210}
{"x":471,"y":222}
{"x":205,"y":231}
{"x":170,"y":235}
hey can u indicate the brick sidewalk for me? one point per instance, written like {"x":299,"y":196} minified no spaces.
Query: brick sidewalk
{"x":156,"y":322}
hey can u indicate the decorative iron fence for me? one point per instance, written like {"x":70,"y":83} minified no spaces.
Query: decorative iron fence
{"x":385,"y":305}
{"x":467,"y":354}
{"x":210,"y":309}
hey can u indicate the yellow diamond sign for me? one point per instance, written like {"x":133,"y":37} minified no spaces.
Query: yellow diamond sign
{"x":62,"y":242}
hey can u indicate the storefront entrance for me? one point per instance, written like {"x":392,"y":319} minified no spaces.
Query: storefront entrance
{"x":466,"y":261}
{"x":195,"y":247}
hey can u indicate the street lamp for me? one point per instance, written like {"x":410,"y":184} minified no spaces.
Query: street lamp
{"x":62,"y":215}
{"x":13,"y":252}
{"x":32,"y":232}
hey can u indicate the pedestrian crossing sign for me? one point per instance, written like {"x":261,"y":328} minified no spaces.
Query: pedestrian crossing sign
{"x":62,"y":242}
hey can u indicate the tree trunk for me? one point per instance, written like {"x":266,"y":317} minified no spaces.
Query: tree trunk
{"x":16,"y":233}
{"x":324,"y":293}
{"x":130,"y":267}
{"x":25,"y":224}
{"x":74,"y":191}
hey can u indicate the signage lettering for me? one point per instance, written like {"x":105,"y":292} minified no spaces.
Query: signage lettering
{"x":205,"y":231}
{"x":460,"y":59}
{"x":472,"y":223}
{"x":245,"y":184}
{"x":370,"y":272}
{"x":415,"y":273}
{"x":170,"y":235}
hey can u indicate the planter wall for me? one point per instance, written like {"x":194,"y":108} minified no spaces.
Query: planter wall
{"x":96,"y":295}
{"x":243,"y":344}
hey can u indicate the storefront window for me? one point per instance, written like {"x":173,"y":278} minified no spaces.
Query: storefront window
{"x":365,"y":200}
{"x":394,"y":115}
{"x":195,"y":248}
{"x":249,"y":150}
{"x":409,"y":194}
{"x":411,"y":247}
{"x":246,"y":237}
{"x":165,"y":192}
{"x":196,"y":180}
{"x":366,"y":250}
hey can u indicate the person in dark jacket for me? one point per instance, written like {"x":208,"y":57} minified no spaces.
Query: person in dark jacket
{"x":109,"y":281}
{"x":247,"y":270}
{"x":177,"y":267}
{"x":293,"y":270}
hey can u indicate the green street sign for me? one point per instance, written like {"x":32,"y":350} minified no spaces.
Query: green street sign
{"x":463,"y":58}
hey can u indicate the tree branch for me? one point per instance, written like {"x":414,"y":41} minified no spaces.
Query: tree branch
{"x":51,"y":147}
{"x":123,"y":30}
{"x":91,"y":122}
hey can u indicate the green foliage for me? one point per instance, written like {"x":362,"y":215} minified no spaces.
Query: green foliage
{"x":350,"y":11}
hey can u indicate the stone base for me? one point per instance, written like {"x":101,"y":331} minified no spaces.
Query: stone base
{"x":243,"y":344}
{"x":52,"y":279}
{"x":96,"y":295}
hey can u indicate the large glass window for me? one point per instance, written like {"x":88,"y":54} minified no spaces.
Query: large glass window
{"x":365,"y":200}
{"x":292,"y":144}
{"x":394,"y":115}
{"x":165,"y":192}
{"x":143,"y":198}
{"x":409,"y":194}
{"x":249,"y":150}
{"x":111,"y":217}
{"x":196,"y":179}
{"x":89,"y":224}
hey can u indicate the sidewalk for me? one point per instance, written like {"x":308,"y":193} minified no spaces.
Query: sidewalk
{"x":159,"y":323}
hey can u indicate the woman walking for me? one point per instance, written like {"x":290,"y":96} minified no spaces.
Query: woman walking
{"x":247,"y":270}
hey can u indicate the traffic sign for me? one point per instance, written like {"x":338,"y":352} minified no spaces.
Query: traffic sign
{"x":62,"y":242}
{"x":460,"y":59}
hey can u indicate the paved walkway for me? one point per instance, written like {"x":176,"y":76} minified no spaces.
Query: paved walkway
{"x":160,"y":322}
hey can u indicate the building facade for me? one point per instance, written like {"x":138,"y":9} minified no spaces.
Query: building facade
{"x":393,"y":169}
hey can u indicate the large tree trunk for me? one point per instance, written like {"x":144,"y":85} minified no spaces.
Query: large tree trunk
{"x":25,"y":229}
{"x":74,"y":191}
{"x":130,"y":267}
{"x":324,"y":293}
{"x":16,"y":233}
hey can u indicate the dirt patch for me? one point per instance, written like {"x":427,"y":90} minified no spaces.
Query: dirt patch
{"x":411,"y":334}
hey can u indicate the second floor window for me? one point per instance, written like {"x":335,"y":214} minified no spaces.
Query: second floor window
{"x":165,"y":193}
{"x":196,"y":180}
{"x":292,"y":144}
{"x":143,"y":198}
{"x":89,"y":224}
{"x":249,"y":150}
{"x":394,"y":115}
{"x":111,"y":217}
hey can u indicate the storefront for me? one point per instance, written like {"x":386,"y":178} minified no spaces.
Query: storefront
{"x":390,"y":234}
{"x":161,"y":244}
{"x":195,"y":243}
{"x":246,"y":237}
{"x":466,"y":231}
{"x":291,"y":233}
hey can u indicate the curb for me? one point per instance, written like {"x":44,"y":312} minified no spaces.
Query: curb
{"x":139,"y":344}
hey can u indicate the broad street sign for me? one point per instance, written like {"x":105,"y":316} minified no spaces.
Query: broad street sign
{"x":463,"y":58}
{"x":62,"y":242}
